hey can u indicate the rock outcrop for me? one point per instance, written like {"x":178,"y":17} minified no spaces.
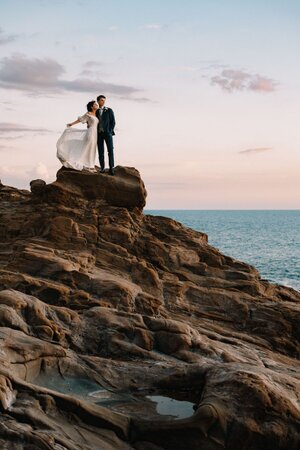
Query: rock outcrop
{"x":105,"y":311}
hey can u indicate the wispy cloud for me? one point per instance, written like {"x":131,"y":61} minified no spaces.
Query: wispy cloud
{"x":19,"y":72}
{"x":92,"y":64}
{"x":42,"y":76}
{"x":152,"y":26}
{"x":87,"y":73}
{"x":256,"y":150}
{"x":6,"y":127}
{"x":6,"y":38}
{"x":13,"y":131}
{"x":87,"y":85}
{"x":138,"y":99}
{"x":208,"y":64}
{"x":231,"y":80}
{"x":92,"y":69}
{"x":8,"y":106}
{"x":7,"y":138}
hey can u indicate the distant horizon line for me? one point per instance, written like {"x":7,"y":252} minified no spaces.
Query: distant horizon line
{"x":220,"y":209}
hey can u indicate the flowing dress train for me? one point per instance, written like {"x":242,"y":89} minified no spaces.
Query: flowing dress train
{"x":76,"y":149}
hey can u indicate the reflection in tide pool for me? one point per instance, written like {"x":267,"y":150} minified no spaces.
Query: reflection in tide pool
{"x":166,"y":406}
{"x":75,"y":386}
{"x":143,"y":406}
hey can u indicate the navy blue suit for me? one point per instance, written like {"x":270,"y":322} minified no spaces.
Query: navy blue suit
{"x":106,"y":131}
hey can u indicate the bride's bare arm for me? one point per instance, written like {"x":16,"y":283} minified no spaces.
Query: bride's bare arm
{"x":73,"y":123}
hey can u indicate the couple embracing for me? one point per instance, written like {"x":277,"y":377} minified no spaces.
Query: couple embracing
{"x":76,"y":149}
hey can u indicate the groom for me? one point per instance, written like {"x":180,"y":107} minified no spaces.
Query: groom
{"x":105,"y":133}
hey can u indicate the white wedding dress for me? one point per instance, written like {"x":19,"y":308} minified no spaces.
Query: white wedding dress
{"x":76,"y":149}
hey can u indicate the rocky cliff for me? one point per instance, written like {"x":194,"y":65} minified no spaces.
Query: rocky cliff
{"x":108,"y":316}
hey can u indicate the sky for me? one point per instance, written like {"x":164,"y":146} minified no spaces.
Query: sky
{"x":206,"y":94}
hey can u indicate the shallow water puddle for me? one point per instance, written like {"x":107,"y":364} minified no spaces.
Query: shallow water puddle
{"x":167,"y":406}
{"x":137,"y":405}
{"x":74,"y":386}
{"x":144,"y":406}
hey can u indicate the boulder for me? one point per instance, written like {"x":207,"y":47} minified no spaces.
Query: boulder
{"x":124,"y":189}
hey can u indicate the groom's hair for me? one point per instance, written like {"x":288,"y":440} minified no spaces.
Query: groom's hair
{"x":89,"y":106}
{"x":100,"y":96}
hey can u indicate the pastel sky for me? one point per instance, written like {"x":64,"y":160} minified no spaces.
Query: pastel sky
{"x":206,"y":94}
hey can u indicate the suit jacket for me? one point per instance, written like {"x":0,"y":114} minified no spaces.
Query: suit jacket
{"x":106,"y":121}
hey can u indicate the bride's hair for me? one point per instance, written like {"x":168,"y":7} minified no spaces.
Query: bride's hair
{"x":89,"y":106}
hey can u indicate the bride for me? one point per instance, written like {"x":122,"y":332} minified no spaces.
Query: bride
{"x":76,"y":149}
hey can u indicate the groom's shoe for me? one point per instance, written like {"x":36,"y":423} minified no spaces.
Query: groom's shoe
{"x":111,"y":171}
{"x":102,"y":170}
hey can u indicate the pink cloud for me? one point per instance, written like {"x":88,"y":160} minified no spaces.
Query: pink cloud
{"x":231,"y":80}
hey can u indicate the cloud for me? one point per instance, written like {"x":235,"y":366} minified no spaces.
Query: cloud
{"x":87,"y":85}
{"x":138,"y":99}
{"x":19,"y":72}
{"x":6,"y":38}
{"x":6,"y":127}
{"x":92,"y":74}
{"x":14,"y":131}
{"x":113,"y":28}
{"x":231,"y":80}
{"x":256,"y":150}
{"x":6,"y":137}
{"x":37,"y":76}
{"x":87,"y":73}
{"x":92,"y":64}
{"x":208,"y":64}
{"x":8,"y":106}
{"x":151,"y":26}
{"x":20,"y":176}
{"x":262,"y":84}
{"x":39,"y":171}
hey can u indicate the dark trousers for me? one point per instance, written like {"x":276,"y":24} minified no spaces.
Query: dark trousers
{"x":107,"y":138}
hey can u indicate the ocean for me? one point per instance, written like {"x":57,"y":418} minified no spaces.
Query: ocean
{"x":268,"y":240}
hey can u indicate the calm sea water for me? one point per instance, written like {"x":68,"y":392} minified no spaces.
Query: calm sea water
{"x":269,"y":240}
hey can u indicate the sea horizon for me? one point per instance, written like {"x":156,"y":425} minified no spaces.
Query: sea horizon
{"x":219,"y":209}
{"x":268,"y":239}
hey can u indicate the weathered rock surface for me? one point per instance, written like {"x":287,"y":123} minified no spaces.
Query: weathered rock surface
{"x":96,"y":295}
